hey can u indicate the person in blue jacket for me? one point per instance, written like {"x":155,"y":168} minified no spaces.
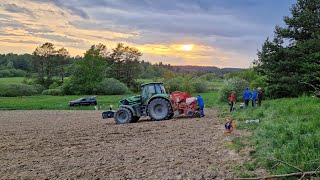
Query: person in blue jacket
{"x":254,"y":97}
{"x":246,"y":96}
{"x":201,"y":105}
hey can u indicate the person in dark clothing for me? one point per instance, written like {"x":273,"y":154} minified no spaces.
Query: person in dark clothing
{"x":246,"y":96}
{"x":201,"y":105}
{"x":231,"y":100}
{"x":259,"y":96}
{"x":254,"y":97}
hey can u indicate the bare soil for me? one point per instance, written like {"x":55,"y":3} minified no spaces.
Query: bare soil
{"x":81,"y":145}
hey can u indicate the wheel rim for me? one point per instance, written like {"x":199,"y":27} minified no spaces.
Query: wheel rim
{"x":159,"y":110}
{"x":123,"y":117}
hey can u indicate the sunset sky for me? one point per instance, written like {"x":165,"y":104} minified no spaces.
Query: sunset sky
{"x":223,"y":33}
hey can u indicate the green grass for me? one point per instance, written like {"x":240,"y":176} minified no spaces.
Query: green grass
{"x":236,"y":144}
{"x":289,"y":130}
{"x":216,"y":84}
{"x":61,"y":102}
{"x":12,"y":80}
{"x":54,"y":102}
{"x":211,"y":99}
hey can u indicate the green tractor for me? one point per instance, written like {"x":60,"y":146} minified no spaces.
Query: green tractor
{"x":153,"y":102}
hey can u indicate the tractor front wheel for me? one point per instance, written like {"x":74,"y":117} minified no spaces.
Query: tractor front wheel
{"x":123,"y":116}
{"x":159,"y":109}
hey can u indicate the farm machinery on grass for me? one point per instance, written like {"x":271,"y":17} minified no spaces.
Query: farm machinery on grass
{"x":154,"y":102}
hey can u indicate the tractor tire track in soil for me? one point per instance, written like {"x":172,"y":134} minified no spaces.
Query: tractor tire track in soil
{"x":81,"y":145}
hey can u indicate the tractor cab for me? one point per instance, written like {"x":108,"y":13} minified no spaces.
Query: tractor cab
{"x":149,"y":90}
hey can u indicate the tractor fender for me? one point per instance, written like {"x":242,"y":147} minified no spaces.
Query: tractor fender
{"x":134,"y":113}
{"x":164,"y":96}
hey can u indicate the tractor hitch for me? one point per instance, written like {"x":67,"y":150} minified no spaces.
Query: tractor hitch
{"x":108,"y":114}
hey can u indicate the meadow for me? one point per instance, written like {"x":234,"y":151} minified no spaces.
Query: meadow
{"x":46,"y":102}
{"x":61,"y":102}
{"x":11,"y":80}
{"x":288,"y":131}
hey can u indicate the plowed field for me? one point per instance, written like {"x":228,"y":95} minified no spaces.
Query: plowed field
{"x":81,"y":145}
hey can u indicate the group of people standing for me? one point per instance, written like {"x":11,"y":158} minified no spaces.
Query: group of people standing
{"x":255,"y":96}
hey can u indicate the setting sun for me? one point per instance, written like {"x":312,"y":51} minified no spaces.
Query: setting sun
{"x":187,"y":47}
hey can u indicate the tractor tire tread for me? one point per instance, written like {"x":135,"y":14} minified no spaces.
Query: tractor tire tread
{"x":129,"y":114}
{"x":157,"y":101}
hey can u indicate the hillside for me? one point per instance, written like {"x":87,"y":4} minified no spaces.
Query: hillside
{"x":204,"y":69}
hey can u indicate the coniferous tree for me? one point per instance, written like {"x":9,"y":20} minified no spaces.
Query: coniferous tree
{"x":291,"y":60}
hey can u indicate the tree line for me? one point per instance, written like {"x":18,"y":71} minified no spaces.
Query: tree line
{"x":49,"y":66}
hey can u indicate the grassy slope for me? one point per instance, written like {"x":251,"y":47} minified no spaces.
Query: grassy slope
{"x":289,"y":130}
{"x":12,"y":80}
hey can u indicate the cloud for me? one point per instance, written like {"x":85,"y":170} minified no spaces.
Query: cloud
{"x":9,"y":34}
{"x":60,"y":38}
{"x":20,"y":41}
{"x":70,"y":8}
{"x":10,"y":23}
{"x":36,"y":31}
{"x":102,"y":25}
{"x":225,"y":33}
{"x":17,"y":9}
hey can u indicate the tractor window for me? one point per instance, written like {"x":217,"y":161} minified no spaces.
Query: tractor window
{"x":144,"y":93}
{"x":163,"y":90}
{"x":148,"y":91}
{"x":151,"y":89}
{"x":158,"y":89}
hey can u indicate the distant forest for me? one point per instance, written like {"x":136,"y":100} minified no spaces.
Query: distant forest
{"x":53,"y":71}
{"x":19,"y":65}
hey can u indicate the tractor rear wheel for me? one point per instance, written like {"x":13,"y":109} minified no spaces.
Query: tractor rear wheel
{"x":123,"y":116}
{"x":159,"y":109}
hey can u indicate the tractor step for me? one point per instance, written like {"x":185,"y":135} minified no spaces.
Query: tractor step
{"x":108,"y":114}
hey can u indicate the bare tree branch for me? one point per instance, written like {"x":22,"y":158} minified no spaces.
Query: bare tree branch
{"x":295,"y":167}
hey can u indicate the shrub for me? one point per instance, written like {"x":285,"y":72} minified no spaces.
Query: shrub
{"x":17,"y":72}
{"x":6,"y":73}
{"x":39,"y":88}
{"x":67,"y":88}
{"x":211,"y":77}
{"x":187,"y":84}
{"x":52,"y":92}
{"x":136,"y":86}
{"x":12,"y":90}
{"x":111,"y":86}
{"x":174,"y":84}
{"x":54,"y":85}
{"x":261,"y":82}
{"x":200,"y":86}
{"x":12,"y":73}
{"x":235,"y":85}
